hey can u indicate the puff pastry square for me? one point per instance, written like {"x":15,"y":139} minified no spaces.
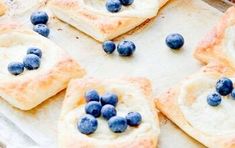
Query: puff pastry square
{"x":134,"y":95}
{"x":219,"y":44}
{"x":30,"y":88}
{"x":186,"y":105}
{"x":92,"y":18}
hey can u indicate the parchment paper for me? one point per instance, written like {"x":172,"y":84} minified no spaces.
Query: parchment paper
{"x":152,"y":59}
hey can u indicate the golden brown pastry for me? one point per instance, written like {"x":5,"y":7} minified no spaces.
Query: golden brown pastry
{"x":133,"y":95}
{"x":92,"y":18}
{"x":186,"y":105}
{"x":32,"y":87}
{"x":219,"y":44}
{"x":2,"y":7}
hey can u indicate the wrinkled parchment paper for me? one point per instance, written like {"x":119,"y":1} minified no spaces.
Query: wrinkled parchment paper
{"x":152,"y":59}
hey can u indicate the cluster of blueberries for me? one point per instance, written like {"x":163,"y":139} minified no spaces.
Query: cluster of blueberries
{"x":116,"y":5}
{"x":125,"y":48}
{"x":40,"y":19}
{"x":105,"y":106}
{"x":224,"y":87}
{"x":31,"y":62}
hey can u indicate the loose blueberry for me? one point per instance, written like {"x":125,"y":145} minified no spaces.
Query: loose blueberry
{"x":126,"y":48}
{"x":109,"y":98}
{"x":108,"y":111}
{"x":224,"y":86}
{"x":15,"y":68}
{"x":175,"y":41}
{"x":126,"y":2}
{"x":42,"y":29}
{"x":214,"y":99}
{"x":87,"y":124}
{"x":133,"y":119}
{"x":31,"y":62}
{"x":92,"y":95}
{"x":35,"y":50}
{"x":113,"y":5}
{"x":233,"y":94}
{"x":39,"y":17}
{"x":109,"y":47}
{"x":93,"y":108}
{"x":117,"y":124}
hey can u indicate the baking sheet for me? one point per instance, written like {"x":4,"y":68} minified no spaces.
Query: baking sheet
{"x":152,"y":59}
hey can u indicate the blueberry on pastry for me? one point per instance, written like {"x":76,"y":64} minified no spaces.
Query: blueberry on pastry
{"x":131,"y":123}
{"x":39,"y":17}
{"x":42,"y":30}
{"x":113,"y":5}
{"x":35,"y":50}
{"x":218,"y":44}
{"x":90,"y":16}
{"x":25,"y":88}
{"x":200,"y":111}
{"x":15,"y":68}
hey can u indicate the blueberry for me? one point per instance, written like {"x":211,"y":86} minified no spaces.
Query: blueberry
{"x":109,"y":98}
{"x":224,"y":86}
{"x":39,"y":17}
{"x":31,"y":62}
{"x":87,"y":124}
{"x":93,"y":108}
{"x":109,"y":47}
{"x":126,"y":2}
{"x":133,"y":119}
{"x":117,"y":124}
{"x":233,"y":94}
{"x":92,"y":95}
{"x":35,"y":50}
{"x":126,"y":48}
{"x":175,"y":41}
{"x":214,"y":99}
{"x":15,"y":68}
{"x":108,"y":111}
{"x":42,"y":29}
{"x":113,"y":5}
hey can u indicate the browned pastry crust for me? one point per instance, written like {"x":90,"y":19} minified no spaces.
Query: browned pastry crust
{"x":29,"y":89}
{"x":211,"y":48}
{"x":2,"y":8}
{"x":167,"y":103}
{"x":70,"y":137}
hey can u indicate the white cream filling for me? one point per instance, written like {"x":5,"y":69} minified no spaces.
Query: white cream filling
{"x":148,"y":8}
{"x":218,"y":120}
{"x":131,"y":100}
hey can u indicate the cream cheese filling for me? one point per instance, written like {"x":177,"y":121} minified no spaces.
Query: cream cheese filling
{"x":148,"y":8}
{"x":192,"y":101}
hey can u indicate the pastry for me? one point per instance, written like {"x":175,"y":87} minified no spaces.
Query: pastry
{"x":219,"y":44}
{"x":2,"y":8}
{"x":35,"y":84}
{"x":207,"y":118}
{"x":91,"y":17}
{"x":133,"y":95}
